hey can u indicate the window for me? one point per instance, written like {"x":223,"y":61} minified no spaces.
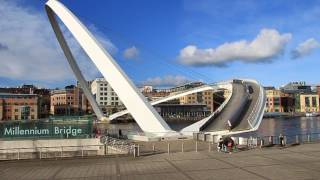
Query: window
{"x":32,"y":116}
{"x":105,"y":89}
{"x":112,"y":98}
{"x":16,"y":117}
{"x":101,"y":94}
{"x":314,"y":101}
{"x":101,"y":98}
{"x":16,"y":110}
{"x":307,"y":101}
{"x":116,"y":98}
{"x":105,"y":98}
{"x":101,"y":103}
{"x":105,"y":94}
{"x":101,"y":89}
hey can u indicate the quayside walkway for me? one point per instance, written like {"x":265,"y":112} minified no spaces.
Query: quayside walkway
{"x":295,"y":162}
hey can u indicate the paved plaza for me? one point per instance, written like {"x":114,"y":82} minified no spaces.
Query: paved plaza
{"x":298,"y":162}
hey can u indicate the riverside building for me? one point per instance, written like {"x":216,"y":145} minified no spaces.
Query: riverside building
{"x":18,"y":106}
{"x":106,"y":98}
{"x":66,"y":101}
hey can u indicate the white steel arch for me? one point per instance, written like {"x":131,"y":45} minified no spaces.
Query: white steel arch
{"x":142,"y":111}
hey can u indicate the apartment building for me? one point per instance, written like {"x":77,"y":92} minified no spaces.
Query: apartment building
{"x":18,"y":106}
{"x":107,"y":99}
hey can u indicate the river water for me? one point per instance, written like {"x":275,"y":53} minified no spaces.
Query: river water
{"x":289,"y":126}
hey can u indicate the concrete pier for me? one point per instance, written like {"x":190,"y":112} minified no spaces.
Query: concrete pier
{"x":296,"y":162}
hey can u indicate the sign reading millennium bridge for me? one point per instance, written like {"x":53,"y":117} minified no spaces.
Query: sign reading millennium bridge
{"x":28,"y":129}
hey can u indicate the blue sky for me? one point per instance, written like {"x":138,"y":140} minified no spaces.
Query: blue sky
{"x":168,"y":42}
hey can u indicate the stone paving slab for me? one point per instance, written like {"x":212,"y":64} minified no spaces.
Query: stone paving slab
{"x":299,"y":162}
{"x":131,"y":168}
{"x":203,"y":164}
{"x":282,"y":172}
{"x":250,"y":161}
{"x":224,"y":174}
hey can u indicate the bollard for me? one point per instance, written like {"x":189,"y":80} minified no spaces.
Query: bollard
{"x":297,"y":139}
{"x":196,"y":146}
{"x":168,"y":148}
{"x":40,"y":153}
{"x":284,"y":140}
{"x":209,"y":149}
{"x":134,"y":151}
{"x":18,"y":154}
{"x":270,"y":140}
{"x":138,"y":150}
{"x":82,"y":151}
{"x":182,"y":146}
{"x":153,"y":148}
{"x":61,"y":152}
{"x":261,"y":143}
{"x":308,"y":137}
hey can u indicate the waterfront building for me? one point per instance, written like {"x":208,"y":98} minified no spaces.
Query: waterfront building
{"x":153,"y":94}
{"x":308,"y":103}
{"x":186,"y":86}
{"x":146,"y":89}
{"x":205,"y":97}
{"x":274,"y":97}
{"x":296,"y":87}
{"x":66,"y":101}
{"x":43,"y":96}
{"x":18,"y":106}
{"x":107,"y":99}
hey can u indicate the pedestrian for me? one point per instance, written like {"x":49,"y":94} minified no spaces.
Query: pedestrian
{"x":220,"y":144}
{"x":281,"y":140}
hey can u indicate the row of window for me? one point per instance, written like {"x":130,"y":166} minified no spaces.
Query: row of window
{"x":30,"y":97}
{"x":58,"y":104}
{"x":112,"y":98}
{"x":63,"y":97}
{"x":17,"y":117}
{"x":17,"y":110}
{"x":314,"y":101}
{"x":112,"y":103}
{"x":105,"y":89}
{"x":21,"y":104}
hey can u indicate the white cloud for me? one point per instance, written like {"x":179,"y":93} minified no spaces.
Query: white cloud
{"x":30,"y":51}
{"x":305,"y":48}
{"x":168,"y":80}
{"x":268,"y":44}
{"x":131,"y":53}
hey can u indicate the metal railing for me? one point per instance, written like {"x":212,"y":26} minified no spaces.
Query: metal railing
{"x":108,"y":146}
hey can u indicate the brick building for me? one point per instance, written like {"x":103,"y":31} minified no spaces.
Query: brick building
{"x":43,"y":97}
{"x":18,"y":106}
{"x":66,"y":101}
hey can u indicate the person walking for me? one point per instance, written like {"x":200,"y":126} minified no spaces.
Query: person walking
{"x":281,"y":140}
{"x":220,"y":144}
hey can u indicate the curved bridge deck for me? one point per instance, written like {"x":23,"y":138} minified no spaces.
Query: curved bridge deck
{"x":238,"y":110}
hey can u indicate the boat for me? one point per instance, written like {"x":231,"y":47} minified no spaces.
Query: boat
{"x":312,"y":114}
